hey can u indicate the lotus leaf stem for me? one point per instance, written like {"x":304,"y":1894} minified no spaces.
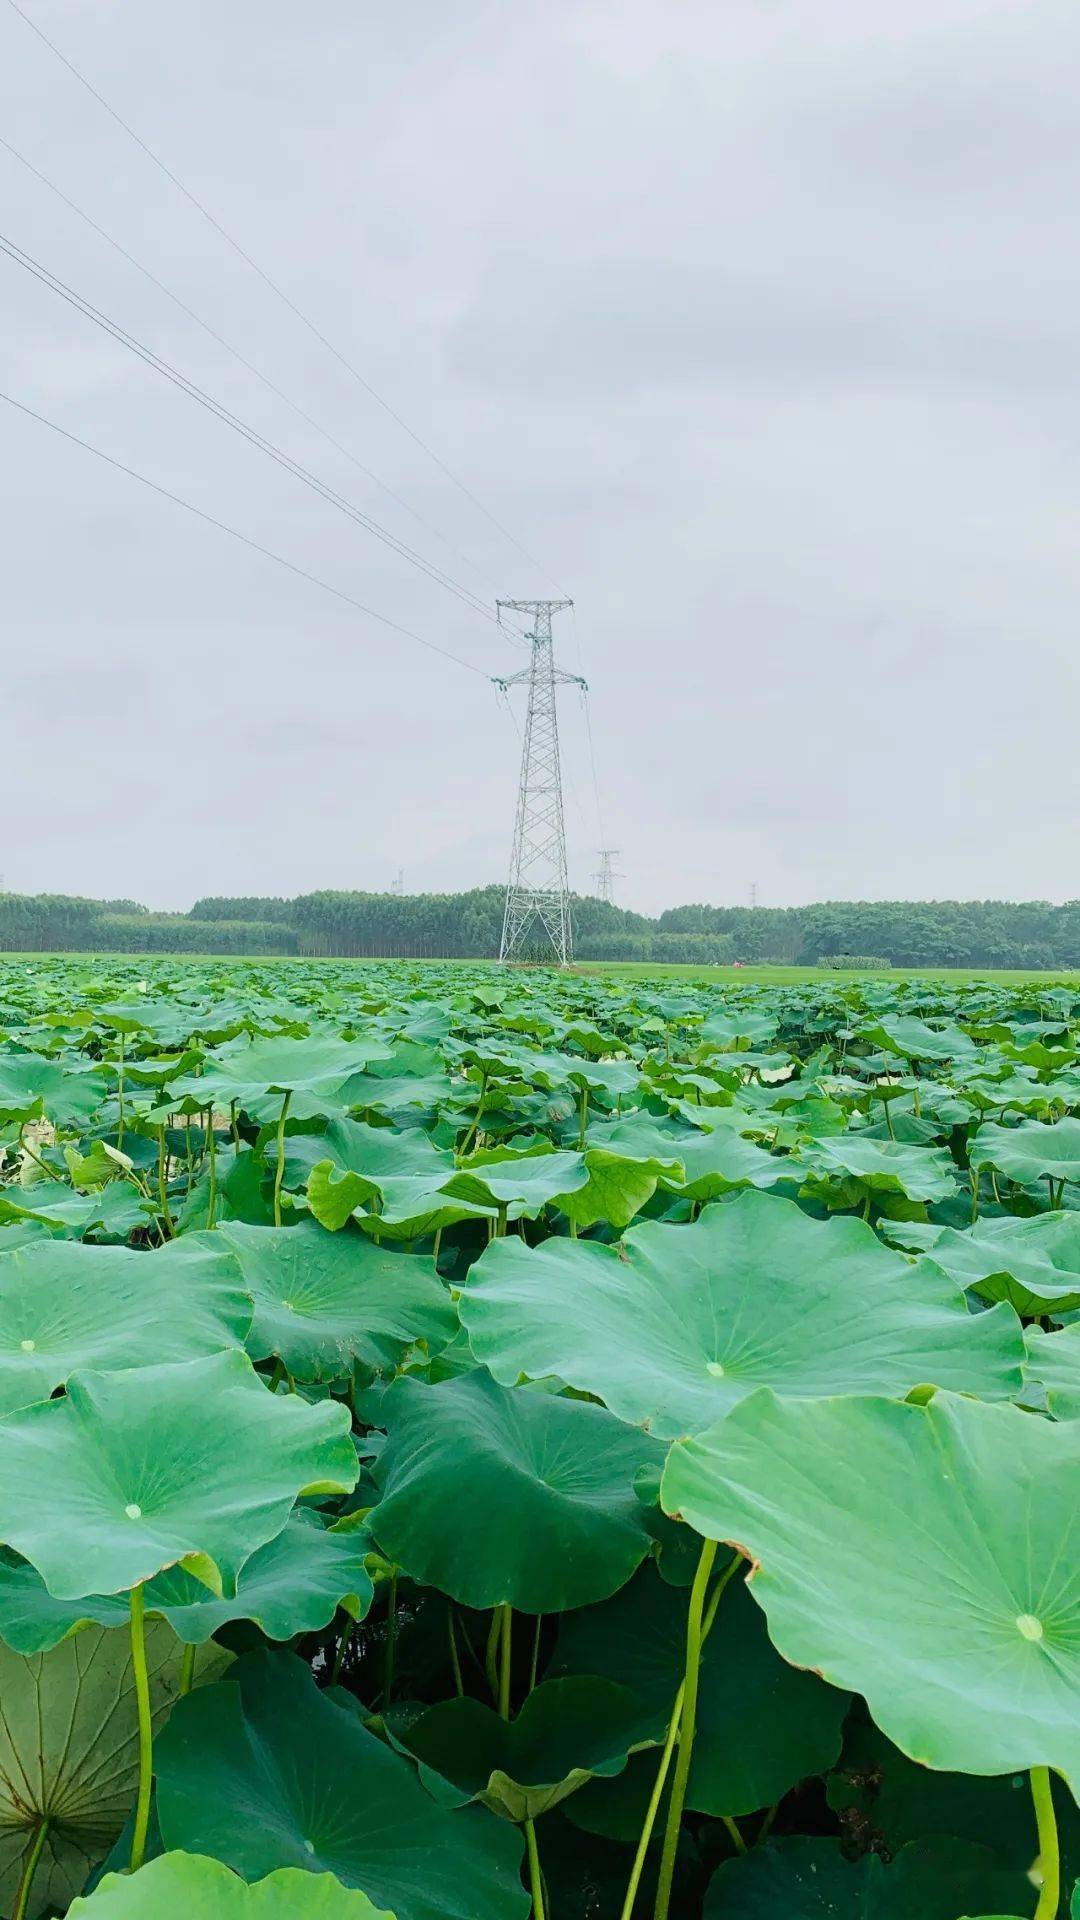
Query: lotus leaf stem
{"x":471,"y":1135}
{"x":120,"y":1098}
{"x":391,"y":1640}
{"x":163,"y":1186}
{"x":31,"y":1155}
{"x":455,"y":1658}
{"x":535,"y":1661}
{"x":584,"y":1116}
{"x":536,"y":1883}
{"x":211,"y":1149}
{"x":506,"y":1627}
{"x":146,"y":1732}
{"x":687,"y":1722}
{"x":673,"y":1731}
{"x":187,"y":1669}
{"x":344,"y":1638}
{"x":1049,"y":1850}
{"x":279,"y":1168}
{"x":22,"y":1898}
{"x":734,"y":1835}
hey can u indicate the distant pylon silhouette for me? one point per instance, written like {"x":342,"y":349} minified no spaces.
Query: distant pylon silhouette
{"x":537,"y":894}
{"x":605,"y":877}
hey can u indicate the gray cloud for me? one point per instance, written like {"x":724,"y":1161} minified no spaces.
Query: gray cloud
{"x":754,"y":323}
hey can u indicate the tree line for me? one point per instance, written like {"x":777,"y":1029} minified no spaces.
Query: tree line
{"x":941,"y":933}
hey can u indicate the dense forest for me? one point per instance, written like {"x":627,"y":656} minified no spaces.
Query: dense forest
{"x":942,"y":933}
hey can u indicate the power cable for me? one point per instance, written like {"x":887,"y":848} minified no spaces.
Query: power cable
{"x":223,"y":526}
{"x":251,"y":434}
{"x":241,"y":359}
{"x":277,"y":290}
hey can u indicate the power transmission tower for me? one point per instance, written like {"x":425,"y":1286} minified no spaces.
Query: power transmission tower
{"x":537,"y":894}
{"x":604,"y":880}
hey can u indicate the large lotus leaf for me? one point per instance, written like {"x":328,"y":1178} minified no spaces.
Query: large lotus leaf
{"x":567,"y":1731}
{"x":133,"y":1472}
{"x":69,"y":1751}
{"x":882,"y":1167}
{"x":317,"y":1066}
{"x":393,"y":1183}
{"x":762,"y":1725}
{"x":502,"y":1496}
{"x":115,"y":1210}
{"x":718,"y":1162}
{"x":923,"y":1555}
{"x":1030,"y":1152}
{"x":31,"y":1086}
{"x":617,"y":1188}
{"x":913,"y":1039}
{"x":322,"y":1299}
{"x":521,"y":1184}
{"x":185,"y":1886}
{"x":800,"y":1878}
{"x":1054,"y":1365}
{"x":63,"y":1305}
{"x":1031,"y":1261}
{"x":294,"y":1584}
{"x":263,"y":1771}
{"x":678,"y":1323}
{"x":726,"y":1026}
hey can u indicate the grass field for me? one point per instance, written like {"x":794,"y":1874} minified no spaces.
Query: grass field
{"x":795,"y":976}
{"x":625,"y":969}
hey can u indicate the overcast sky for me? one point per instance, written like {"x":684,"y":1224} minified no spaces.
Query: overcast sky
{"x":754,"y":322}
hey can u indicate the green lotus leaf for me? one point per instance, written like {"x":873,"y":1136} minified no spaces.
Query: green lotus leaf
{"x":185,"y":1886}
{"x":318,"y":1065}
{"x":1032,"y":1262}
{"x":567,"y":1731}
{"x":323,"y":1299}
{"x":294,"y":1584}
{"x":522,"y":1184}
{"x":69,"y":1751}
{"x":799,"y":1878}
{"x":883,"y":1798}
{"x":263,"y":1771}
{"x":726,"y":1026}
{"x":678,"y":1323}
{"x":882,"y":1166}
{"x":63,"y":1305}
{"x":97,"y":1503}
{"x":31,"y":1086}
{"x":1054,"y":1364}
{"x":1030,"y":1152}
{"x":116,"y":1210}
{"x":551,"y":1520}
{"x":918,"y":1554}
{"x":913,"y":1039}
{"x":393,"y":1183}
{"x":762,"y":1725}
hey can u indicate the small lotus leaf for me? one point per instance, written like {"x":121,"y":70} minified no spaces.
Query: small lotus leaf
{"x":185,"y":1886}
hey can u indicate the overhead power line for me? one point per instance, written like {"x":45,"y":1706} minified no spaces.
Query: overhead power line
{"x":240,"y":358}
{"x":251,"y":434}
{"x":276,"y":289}
{"x":234,"y":533}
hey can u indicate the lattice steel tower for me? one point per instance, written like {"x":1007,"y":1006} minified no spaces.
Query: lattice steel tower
{"x":537,"y":895}
{"x":605,"y":877}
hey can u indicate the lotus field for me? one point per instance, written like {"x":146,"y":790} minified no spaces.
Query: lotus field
{"x":476,"y":1444}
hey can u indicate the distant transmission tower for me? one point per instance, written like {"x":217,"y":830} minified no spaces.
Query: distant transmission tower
{"x":604,"y":879}
{"x":537,"y":895}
